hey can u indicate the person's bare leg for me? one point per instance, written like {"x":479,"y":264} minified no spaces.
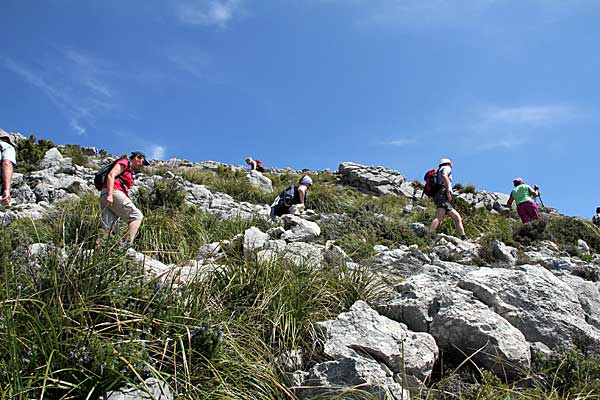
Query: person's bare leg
{"x":457,"y":222}
{"x":439,"y":217}
{"x":132,"y":229}
{"x":7,"y":172}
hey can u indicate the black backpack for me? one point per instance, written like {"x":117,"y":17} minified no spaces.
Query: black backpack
{"x":100,"y":176}
{"x":286,"y":197}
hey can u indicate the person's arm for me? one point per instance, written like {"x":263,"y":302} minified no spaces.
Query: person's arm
{"x":7,"y":172}
{"x":533,"y":192}
{"x":302,"y":193}
{"x":447,"y":185}
{"x":510,"y":200}
{"x":110,"y":183}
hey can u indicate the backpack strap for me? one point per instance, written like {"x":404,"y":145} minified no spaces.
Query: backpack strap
{"x":128,"y":169}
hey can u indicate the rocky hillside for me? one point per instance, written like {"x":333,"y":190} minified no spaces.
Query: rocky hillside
{"x":388,"y":312}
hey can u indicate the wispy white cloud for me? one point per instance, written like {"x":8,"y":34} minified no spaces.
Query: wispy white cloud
{"x":399,"y":142}
{"x":426,"y":14}
{"x":80,"y":130}
{"x":73,"y":84}
{"x":190,"y":60}
{"x":145,"y":142}
{"x":208,"y":12}
{"x":495,"y":127}
{"x":533,"y":115}
{"x":157,"y":152}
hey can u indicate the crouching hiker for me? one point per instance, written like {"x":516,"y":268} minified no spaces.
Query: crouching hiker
{"x":292,"y":195}
{"x":524,"y":196}
{"x":255,"y":165}
{"x":596,"y":218}
{"x":443,"y":199}
{"x":115,"y":180}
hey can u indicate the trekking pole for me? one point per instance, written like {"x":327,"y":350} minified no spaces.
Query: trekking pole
{"x":537,"y":188}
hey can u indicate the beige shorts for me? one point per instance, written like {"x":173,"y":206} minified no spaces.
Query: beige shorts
{"x":122,"y":208}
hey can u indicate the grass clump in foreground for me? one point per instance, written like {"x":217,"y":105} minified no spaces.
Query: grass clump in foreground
{"x":81,"y":318}
{"x":561,"y":376}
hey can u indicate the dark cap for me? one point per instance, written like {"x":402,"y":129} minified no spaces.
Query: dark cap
{"x":140,"y":154}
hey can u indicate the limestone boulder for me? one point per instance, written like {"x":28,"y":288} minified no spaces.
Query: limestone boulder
{"x":52,"y":158}
{"x":150,"y":389}
{"x":543,"y":307}
{"x":363,"y":333}
{"x":374,"y":180}
{"x":254,"y":240}
{"x":504,"y":254}
{"x":259,"y":181}
{"x":465,"y":327}
{"x":298,"y":229}
{"x":332,"y":378}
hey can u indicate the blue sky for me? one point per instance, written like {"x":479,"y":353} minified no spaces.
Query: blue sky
{"x":504,"y":88}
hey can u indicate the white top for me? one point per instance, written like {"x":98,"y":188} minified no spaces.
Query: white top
{"x":7,"y":152}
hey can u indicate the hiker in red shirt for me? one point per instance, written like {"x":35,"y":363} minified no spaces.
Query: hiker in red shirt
{"x":255,"y":165}
{"x":114,"y":197}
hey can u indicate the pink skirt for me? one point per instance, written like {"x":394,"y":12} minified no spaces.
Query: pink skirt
{"x":528,"y":211}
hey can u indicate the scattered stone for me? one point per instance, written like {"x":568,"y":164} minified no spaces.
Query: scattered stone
{"x":254,"y":240}
{"x":298,"y":229}
{"x":373,"y":180}
{"x":361,"y":333}
{"x":418,"y":228}
{"x":259,"y":181}
{"x":503,"y":253}
{"x":151,"y":389}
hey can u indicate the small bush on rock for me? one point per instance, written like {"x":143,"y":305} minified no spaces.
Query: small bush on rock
{"x":29,"y":153}
{"x":567,"y":230}
{"x":527,"y":234}
{"x":167,"y":194}
{"x":76,"y":153}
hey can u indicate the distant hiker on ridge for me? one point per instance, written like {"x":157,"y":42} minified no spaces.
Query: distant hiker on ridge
{"x":524,"y":196}
{"x":596,"y":218}
{"x":114,"y":197}
{"x":255,"y":165}
{"x":290,"y":196}
{"x":443,"y":199}
{"x":9,"y":160}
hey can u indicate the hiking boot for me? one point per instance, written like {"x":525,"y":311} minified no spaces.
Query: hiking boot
{"x":464,"y":237}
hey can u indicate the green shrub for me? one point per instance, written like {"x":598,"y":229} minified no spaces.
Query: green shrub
{"x":567,"y":230}
{"x":174,"y":236}
{"x":359,"y":230}
{"x":527,"y":234}
{"x":468,"y":188}
{"x":76,"y":153}
{"x":166,"y":194}
{"x":29,"y":153}
{"x":571,"y":373}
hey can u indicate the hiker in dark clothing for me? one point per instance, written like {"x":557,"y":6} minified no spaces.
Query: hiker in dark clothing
{"x":443,"y":200}
{"x":596,"y":218}
{"x":292,"y":195}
